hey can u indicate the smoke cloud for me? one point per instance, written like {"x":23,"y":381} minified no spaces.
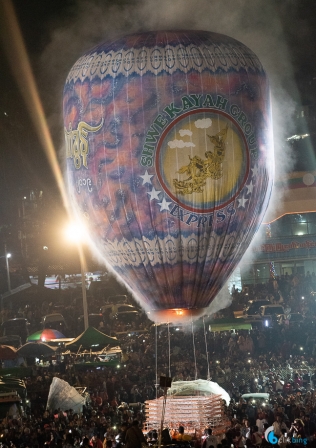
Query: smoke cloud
{"x":256,"y":24}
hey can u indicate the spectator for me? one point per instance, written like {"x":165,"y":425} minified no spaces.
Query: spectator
{"x":261,"y":420}
{"x":210,"y":439}
{"x":297,"y":429}
{"x":181,"y":436}
{"x":283,"y":441}
{"x":255,"y":436}
{"x":96,"y":442}
{"x":309,"y":427}
{"x":278,"y":425}
{"x":134,"y":436}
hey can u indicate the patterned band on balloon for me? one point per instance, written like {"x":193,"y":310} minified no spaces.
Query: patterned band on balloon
{"x":142,"y":252}
{"x":213,"y":57}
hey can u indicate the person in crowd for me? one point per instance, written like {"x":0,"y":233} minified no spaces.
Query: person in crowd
{"x":166,"y":437}
{"x":181,"y":436}
{"x":309,"y":427}
{"x":69,"y":441}
{"x":245,"y":430}
{"x":261,"y":420}
{"x":96,"y":442}
{"x":85,"y":443}
{"x":233,"y":431}
{"x":284,"y":440}
{"x":297,"y":430}
{"x":255,"y":436}
{"x":152,"y":438}
{"x":120,"y":438}
{"x":210,"y":439}
{"x":134,"y":436}
{"x":278,"y":425}
{"x":238,"y":439}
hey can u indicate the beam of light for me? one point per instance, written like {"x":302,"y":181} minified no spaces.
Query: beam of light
{"x":16,"y":52}
{"x":17,"y":56}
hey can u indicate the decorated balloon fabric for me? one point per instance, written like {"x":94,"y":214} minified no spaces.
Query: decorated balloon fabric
{"x":170,"y":160}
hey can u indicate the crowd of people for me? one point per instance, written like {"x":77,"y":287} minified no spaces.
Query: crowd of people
{"x":279,"y":360}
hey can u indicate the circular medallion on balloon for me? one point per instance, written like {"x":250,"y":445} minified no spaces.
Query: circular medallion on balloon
{"x":202,"y":160}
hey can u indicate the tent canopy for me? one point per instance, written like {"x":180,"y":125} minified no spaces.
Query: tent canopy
{"x":34,"y":349}
{"x":7,"y":352}
{"x":92,"y":338}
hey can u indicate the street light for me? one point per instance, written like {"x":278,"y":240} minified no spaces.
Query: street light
{"x":75,"y":233}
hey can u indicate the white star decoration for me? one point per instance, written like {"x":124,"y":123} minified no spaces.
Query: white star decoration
{"x":147,"y":178}
{"x":164,"y":205}
{"x":154,"y":194}
{"x":242,"y":202}
{"x":255,"y":171}
{"x":249,"y":187}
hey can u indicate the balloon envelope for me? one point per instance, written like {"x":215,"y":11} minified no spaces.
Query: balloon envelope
{"x":169,"y":160}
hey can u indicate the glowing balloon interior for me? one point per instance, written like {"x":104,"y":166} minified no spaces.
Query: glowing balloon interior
{"x":169,"y":160}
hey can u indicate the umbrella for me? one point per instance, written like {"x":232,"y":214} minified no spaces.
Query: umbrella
{"x":35,"y":349}
{"x":7,"y":352}
{"x":45,"y":335}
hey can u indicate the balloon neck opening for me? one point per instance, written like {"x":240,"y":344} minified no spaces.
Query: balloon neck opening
{"x":175,"y":315}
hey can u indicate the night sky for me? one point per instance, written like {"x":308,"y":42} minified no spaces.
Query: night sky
{"x":57,"y":32}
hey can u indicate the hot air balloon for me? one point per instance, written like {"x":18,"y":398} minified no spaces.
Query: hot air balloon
{"x":169,"y":161}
